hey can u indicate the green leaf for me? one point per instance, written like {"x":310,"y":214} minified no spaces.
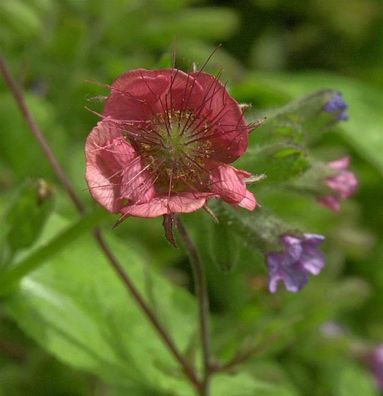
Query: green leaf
{"x":27,"y":215}
{"x":75,"y":307}
{"x":364,"y":128}
{"x":243,"y":384}
{"x":352,"y":380}
{"x":39,"y":255}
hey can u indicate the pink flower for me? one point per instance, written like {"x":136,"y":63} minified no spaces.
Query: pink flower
{"x":343,"y":184}
{"x":375,"y":363}
{"x":165,"y":143}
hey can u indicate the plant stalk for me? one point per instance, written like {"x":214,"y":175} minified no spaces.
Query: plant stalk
{"x":203,"y":302}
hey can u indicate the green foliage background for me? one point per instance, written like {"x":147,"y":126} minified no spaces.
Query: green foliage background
{"x":69,"y":328}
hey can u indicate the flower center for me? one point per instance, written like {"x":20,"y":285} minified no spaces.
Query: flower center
{"x":176,"y":139}
{"x":175,"y":151}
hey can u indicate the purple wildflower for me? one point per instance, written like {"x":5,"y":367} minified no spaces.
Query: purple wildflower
{"x":375,"y":362}
{"x":337,"y":105}
{"x":299,"y":258}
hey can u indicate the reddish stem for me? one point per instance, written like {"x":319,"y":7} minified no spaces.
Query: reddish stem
{"x":203,"y":302}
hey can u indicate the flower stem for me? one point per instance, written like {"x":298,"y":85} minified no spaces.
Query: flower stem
{"x":203,"y":302}
{"x":36,"y":131}
{"x":165,"y":336}
{"x":112,"y":260}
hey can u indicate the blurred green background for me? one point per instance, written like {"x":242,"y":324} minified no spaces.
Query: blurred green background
{"x":272,"y":51}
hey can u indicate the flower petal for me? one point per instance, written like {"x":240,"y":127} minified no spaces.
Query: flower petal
{"x":135,"y":95}
{"x":180,"y":203}
{"x":106,"y":154}
{"x":340,"y":164}
{"x":248,"y":202}
{"x":225,"y":182}
{"x":312,"y":260}
{"x":137,"y":182}
{"x":330,"y":202}
{"x":183,"y":92}
{"x":230,"y":136}
{"x":293,"y":246}
{"x":344,"y":184}
{"x":282,"y":269}
{"x":299,"y":258}
{"x":313,"y":239}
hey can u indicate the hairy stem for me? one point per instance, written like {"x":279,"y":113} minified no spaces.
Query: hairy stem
{"x":203,"y":301}
{"x":112,"y":260}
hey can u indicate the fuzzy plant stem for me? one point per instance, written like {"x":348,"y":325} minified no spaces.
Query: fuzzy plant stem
{"x":112,"y":260}
{"x":203,"y":301}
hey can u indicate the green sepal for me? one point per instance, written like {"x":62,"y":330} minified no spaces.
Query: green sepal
{"x":299,"y":122}
{"x":278,"y":162}
{"x":260,"y":229}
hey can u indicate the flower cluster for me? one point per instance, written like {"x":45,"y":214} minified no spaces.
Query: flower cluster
{"x":165,"y":143}
{"x":343,"y":184}
{"x":337,"y":105}
{"x":299,"y":258}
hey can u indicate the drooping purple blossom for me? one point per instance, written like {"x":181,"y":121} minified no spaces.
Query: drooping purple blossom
{"x":293,"y":265}
{"x":337,"y":105}
{"x":375,"y":362}
{"x":343,"y":184}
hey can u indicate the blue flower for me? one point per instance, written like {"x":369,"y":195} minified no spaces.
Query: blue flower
{"x":337,"y":105}
{"x":299,"y":258}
